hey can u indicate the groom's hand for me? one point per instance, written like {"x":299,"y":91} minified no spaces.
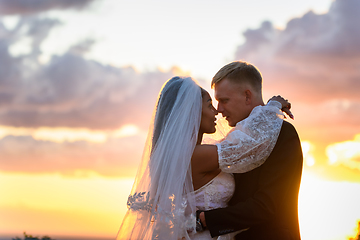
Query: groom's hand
{"x":200,"y":226}
{"x":202,"y":219}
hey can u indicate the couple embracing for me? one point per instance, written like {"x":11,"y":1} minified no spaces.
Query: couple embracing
{"x":243,"y":187}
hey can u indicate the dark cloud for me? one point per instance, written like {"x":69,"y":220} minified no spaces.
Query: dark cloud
{"x":73,"y":92}
{"x":15,"y":71}
{"x":320,"y":54}
{"x":334,"y":35}
{"x":20,"y":7}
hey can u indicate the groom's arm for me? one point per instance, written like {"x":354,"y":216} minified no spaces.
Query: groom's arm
{"x":278,"y":189}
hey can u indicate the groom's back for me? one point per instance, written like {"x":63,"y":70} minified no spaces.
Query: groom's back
{"x":268,"y":195}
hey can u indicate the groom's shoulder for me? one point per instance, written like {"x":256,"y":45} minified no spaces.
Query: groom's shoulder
{"x":288,"y":129}
{"x":288,"y":126}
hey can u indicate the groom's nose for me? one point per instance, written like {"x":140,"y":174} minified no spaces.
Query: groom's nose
{"x":220,"y":108}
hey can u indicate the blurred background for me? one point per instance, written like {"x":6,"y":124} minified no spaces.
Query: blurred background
{"x":79,"y":80}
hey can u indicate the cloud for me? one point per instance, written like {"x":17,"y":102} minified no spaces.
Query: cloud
{"x":115,"y":157}
{"x":306,"y":62}
{"x":70,"y":90}
{"x":73,"y":92}
{"x":312,"y":52}
{"x":101,"y":110}
{"x":315,"y":63}
{"x":35,"y":6}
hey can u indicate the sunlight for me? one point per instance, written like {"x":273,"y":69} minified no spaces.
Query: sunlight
{"x":69,"y":134}
{"x":60,"y":135}
{"x":95,"y":206}
{"x":308,"y":148}
{"x":327,"y":209}
{"x":126,"y":131}
{"x":14,"y":131}
{"x":56,"y":205}
{"x":346,"y":153}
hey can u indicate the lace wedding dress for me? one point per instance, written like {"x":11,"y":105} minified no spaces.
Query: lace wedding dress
{"x":215,"y":194}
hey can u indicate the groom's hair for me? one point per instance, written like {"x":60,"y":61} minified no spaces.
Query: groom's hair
{"x":239,"y":72}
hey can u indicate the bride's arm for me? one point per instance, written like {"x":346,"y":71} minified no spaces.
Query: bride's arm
{"x":204,"y":158}
{"x":248,"y":145}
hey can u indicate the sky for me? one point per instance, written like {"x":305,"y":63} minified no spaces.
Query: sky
{"x":79,"y":80}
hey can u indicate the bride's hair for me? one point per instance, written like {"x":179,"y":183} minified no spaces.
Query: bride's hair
{"x":165,"y":105}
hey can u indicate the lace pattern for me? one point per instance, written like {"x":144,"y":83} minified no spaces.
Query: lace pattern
{"x":252,"y":140}
{"x":140,"y":201}
{"x":216,"y":193}
{"x":137,"y":201}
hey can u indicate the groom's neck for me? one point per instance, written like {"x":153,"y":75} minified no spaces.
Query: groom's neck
{"x":257,"y":101}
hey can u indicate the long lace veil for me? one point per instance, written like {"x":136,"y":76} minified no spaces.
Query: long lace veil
{"x":161,"y":204}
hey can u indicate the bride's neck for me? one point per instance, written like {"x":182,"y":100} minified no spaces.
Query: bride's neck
{"x":200,"y":137}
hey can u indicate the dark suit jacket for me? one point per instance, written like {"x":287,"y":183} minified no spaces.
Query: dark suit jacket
{"x":266,"y":198}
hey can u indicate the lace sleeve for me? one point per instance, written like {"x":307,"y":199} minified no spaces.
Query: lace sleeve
{"x":252,"y":140}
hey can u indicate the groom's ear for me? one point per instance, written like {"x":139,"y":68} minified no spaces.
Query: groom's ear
{"x":248,"y":97}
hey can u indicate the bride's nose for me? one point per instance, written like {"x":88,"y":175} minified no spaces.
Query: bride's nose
{"x":215,"y":111}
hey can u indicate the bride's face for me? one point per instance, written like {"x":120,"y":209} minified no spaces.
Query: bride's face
{"x":207,"y":124}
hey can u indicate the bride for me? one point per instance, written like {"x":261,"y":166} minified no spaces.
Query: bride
{"x":175,"y":178}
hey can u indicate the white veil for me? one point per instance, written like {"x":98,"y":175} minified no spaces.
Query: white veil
{"x":161,"y":204}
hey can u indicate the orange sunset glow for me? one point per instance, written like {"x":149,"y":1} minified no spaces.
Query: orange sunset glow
{"x":79,"y":81}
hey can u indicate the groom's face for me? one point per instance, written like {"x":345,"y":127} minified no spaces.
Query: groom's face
{"x":232,"y":101}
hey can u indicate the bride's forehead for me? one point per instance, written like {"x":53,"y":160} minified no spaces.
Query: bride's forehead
{"x":206,"y":96}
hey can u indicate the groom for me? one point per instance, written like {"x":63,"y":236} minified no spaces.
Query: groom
{"x":266,"y":198}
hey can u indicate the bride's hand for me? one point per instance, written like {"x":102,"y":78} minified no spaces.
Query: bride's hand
{"x":285,"y":105}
